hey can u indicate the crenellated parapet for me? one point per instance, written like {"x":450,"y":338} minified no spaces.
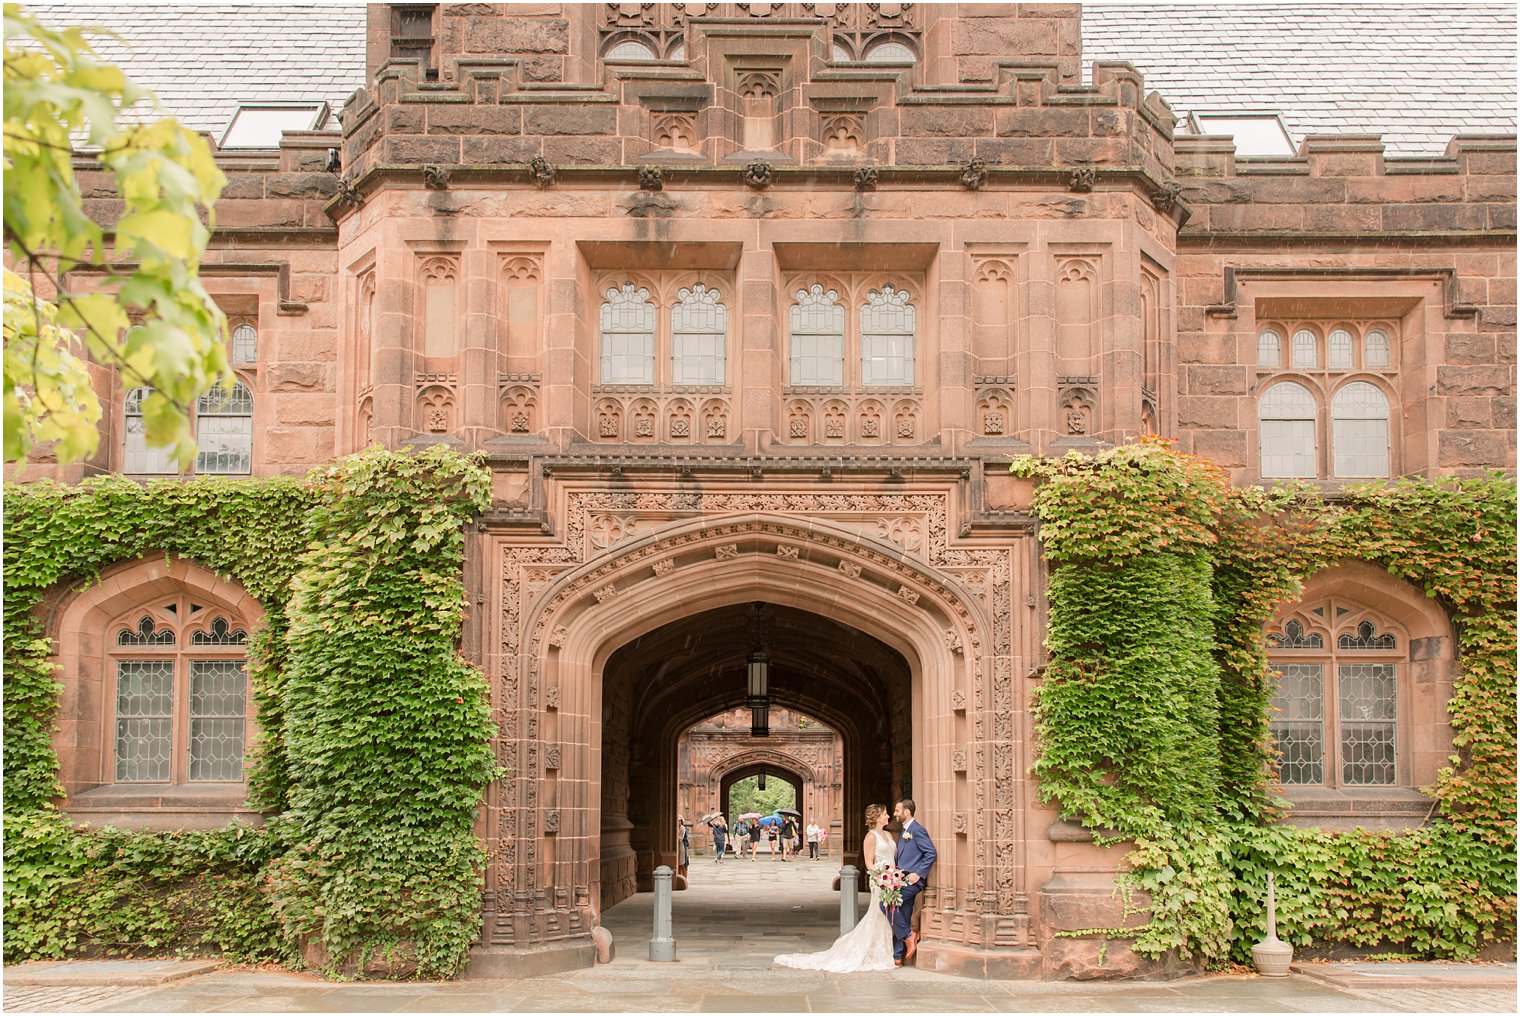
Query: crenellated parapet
{"x":1345,"y":185}
{"x":986,"y":89}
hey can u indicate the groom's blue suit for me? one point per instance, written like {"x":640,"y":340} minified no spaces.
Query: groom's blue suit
{"x":915,"y":853}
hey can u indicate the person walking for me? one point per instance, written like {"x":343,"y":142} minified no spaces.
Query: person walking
{"x":741,"y":837}
{"x":719,"y":826}
{"x":773,"y":837}
{"x":788,"y":838}
{"x":812,"y":840}
{"x":683,"y":846}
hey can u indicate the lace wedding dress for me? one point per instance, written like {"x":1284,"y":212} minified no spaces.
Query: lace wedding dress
{"x":868,"y":946}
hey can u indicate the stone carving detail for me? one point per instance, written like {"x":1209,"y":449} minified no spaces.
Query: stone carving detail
{"x":1167,"y":197}
{"x":519,"y":407}
{"x":960,"y":823}
{"x":651,"y":178}
{"x":348,"y":194}
{"x":974,"y":175}
{"x":523,"y":910}
{"x":435,"y":178}
{"x":953,"y":641}
{"x":435,"y":404}
{"x":605,"y":530}
{"x":1083,"y":179}
{"x":677,"y":132}
{"x":842,"y":136}
{"x":551,"y":820}
{"x":790,"y":553}
{"x":905,"y":532}
{"x":540,"y":172}
{"x":866,"y":178}
{"x":994,"y":406}
{"x":759,"y":175}
{"x":958,"y":760}
{"x":557,"y":636}
{"x":551,"y":756}
{"x":727,"y":552}
{"x":837,"y":411}
{"x":664,"y":565}
{"x":907,"y":595}
{"x":645,"y":414}
{"x":1077,"y":406}
{"x":605,"y":593}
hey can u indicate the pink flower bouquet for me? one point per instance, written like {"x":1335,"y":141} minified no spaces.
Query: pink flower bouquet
{"x":889,"y":881}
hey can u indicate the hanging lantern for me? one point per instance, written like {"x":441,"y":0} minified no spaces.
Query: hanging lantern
{"x":759,"y":678}
{"x":760,"y":721}
{"x":760,"y":783}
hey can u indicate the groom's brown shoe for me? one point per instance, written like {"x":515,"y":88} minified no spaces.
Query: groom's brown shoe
{"x":897,"y":963}
{"x":910,"y":946}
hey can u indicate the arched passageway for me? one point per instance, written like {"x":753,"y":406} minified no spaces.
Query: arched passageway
{"x":656,"y":686}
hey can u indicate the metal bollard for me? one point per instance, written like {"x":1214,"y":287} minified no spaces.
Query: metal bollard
{"x":849,"y":876}
{"x":662,"y":947}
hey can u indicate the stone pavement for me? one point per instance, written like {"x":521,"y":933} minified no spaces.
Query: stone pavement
{"x":728,"y":925}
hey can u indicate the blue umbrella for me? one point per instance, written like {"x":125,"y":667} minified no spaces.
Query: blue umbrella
{"x":770,"y":820}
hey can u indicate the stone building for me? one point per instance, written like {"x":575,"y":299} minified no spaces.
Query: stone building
{"x":754,"y":303}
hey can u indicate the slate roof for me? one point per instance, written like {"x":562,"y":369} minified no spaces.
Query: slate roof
{"x":202,"y":61}
{"x":1415,"y":74}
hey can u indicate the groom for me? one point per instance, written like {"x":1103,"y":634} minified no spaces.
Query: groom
{"x":915,"y":855}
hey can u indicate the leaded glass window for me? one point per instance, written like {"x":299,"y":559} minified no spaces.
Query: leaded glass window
{"x":1269,"y":349}
{"x":245,"y":344}
{"x":888,"y":328}
{"x":817,"y":338}
{"x":1368,"y":710}
{"x":628,"y":328}
{"x":699,"y":335}
{"x":218,"y":692}
{"x":138,"y":456}
{"x":1360,"y":430}
{"x":1305,"y":349}
{"x":1298,"y":724}
{"x":1375,"y":349}
{"x":144,"y":720}
{"x":1366,"y":637}
{"x":1293,"y":636}
{"x":1339,"y":344}
{"x":1288,"y":446}
{"x":224,"y":431}
{"x":181,"y":693}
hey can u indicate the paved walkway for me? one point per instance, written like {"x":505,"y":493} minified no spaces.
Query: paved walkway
{"x":728,"y":925}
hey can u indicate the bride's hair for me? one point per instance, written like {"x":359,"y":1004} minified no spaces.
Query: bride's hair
{"x":873,"y":811}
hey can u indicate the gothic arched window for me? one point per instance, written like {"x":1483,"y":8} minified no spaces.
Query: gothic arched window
{"x":699,"y":335}
{"x":224,"y":431}
{"x":888,"y":329}
{"x":817,"y":338}
{"x":1269,"y":349}
{"x":1288,"y":427}
{"x":1359,"y":430}
{"x":628,"y":327}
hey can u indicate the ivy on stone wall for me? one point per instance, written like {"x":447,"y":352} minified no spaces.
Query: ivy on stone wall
{"x":1445,"y":890}
{"x":387,"y":726}
{"x":373,"y":729}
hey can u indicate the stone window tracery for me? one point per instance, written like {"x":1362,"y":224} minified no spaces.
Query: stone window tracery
{"x":888,"y":330}
{"x":179,"y":694}
{"x":699,"y":335}
{"x":628,"y":325}
{"x":1356,"y":429}
{"x":245,"y":343}
{"x":1336,"y":711}
{"x":817,"y":338}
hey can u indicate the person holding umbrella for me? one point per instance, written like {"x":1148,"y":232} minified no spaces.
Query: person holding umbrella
{"x":719,"y":826}
{"x":790,"y":818}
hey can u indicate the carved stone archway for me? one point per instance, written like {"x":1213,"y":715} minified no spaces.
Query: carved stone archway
{"x":567,"y":610}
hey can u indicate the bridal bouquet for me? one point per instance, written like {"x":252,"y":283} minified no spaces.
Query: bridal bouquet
{"x":889,"y":881}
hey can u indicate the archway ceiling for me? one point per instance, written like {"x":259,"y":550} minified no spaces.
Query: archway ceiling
{"x":690,"y":669}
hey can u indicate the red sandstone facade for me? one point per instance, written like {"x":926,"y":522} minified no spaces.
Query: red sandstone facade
{"x":764,"y":318}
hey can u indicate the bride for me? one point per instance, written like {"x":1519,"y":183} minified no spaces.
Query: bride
{"x":868,"y":946}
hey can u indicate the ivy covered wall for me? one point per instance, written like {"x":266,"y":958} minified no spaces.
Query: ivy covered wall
{"x":372,"y":729}
{"x":1164,"y":577}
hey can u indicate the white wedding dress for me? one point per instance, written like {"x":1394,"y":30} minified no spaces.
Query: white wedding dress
{"x":868,"y":946}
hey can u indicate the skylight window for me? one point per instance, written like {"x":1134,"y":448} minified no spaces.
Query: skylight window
{"x":1254,"y":133}
{"x":259,"y":125}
